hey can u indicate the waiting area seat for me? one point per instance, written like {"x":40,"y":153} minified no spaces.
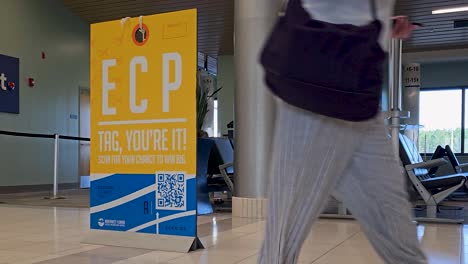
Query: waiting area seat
{"x":204,"y":149}
{"x":433,"y":189}
{"x":457,"y":166}
{"x":439,"y":153}
{"x":215,"y":157}
{"x":226,"y":160}
{"x":442,"y":181}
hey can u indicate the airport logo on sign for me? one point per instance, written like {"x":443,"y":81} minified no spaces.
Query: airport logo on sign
{"x":9,"y":84}
{"x":101,"y":222}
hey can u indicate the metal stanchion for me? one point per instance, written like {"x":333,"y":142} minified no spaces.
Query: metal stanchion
{"x":56,"y":138}
{"x":395,"y":113}
{"x":56,"y":163}
{"x":56,"y":155}
{"x":395,"y":92}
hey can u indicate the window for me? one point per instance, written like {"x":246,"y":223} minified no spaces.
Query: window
{"x":215,"y":117}
{"x":465,"y":123}
{"x":441,"y":115}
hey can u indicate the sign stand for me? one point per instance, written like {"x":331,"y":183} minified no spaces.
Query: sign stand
{"x":143,"y":130}
{"x":144,"y":241}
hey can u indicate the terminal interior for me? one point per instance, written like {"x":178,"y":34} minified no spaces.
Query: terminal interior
{"x":45,"y":176}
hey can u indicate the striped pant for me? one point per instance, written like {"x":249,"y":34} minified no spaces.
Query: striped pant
{"x":316,"y":156}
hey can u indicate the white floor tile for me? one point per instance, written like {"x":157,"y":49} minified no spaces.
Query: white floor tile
{"x":207,"y":257}
{"x":151,"y":258}
{"x":30,"y":235}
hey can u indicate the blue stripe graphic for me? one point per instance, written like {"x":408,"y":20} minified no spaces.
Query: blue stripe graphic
{"x":120,"y":209}
{"x":117,"y":186}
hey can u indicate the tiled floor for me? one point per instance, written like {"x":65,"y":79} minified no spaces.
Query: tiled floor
{"x":53,"y":235}
{"x":74,"y":198}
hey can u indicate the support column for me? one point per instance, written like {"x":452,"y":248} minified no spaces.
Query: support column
{"x":254,"y":107}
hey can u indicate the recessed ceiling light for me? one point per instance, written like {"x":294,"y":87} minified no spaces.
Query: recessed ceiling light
{"x":450,"y":10}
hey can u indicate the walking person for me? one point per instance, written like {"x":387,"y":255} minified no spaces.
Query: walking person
{"x":324,"y":63}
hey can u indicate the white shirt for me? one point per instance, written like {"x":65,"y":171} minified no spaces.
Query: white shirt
{"x":356,"y":12}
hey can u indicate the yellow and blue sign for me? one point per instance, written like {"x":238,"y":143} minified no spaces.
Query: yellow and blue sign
{"x":143,"y":124}
{"x":9,"y":84}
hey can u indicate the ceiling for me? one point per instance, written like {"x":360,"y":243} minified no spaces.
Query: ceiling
{"x":438,"y":32}
{"x":216,"y":20}
{"x":215,"y":17}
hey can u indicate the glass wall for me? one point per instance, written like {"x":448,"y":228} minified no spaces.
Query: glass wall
{"x":441,"y":115}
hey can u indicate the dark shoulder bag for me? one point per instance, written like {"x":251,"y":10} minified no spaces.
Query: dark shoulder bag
{"x":334,"y":70}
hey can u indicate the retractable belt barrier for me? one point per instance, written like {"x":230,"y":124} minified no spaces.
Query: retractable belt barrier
{"x":56,"y":138}
{"x":31,"y":135}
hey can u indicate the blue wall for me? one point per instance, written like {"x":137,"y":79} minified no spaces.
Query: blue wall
{"x":444,"y":74}
{"x":28,"y":28}
{"x":226,"y":79}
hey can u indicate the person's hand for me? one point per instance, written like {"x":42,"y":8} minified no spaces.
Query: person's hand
{"x":402,"y":27}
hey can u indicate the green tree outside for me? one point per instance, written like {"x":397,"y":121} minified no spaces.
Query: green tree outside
{"x":430,"y":139}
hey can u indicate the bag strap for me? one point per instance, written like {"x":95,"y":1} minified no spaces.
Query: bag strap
{"x":283,"y":8}
{"x":294,"y":4}
{"x":373,"y":7}
{"x":286,"y":4}
{"x":295,"y":10}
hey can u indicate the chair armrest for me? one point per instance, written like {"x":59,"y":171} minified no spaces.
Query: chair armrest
{"x":427,"y":164}
{"x":227,"y":180}
{"x":460,"y":167}
{"x":225,"y":166}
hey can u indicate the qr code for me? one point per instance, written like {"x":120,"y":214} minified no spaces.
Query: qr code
{"x":171,"y":192}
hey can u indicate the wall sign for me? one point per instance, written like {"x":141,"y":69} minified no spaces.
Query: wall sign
{"x":201,"y":61}
{"x":143,"y":130}
{"x":411,"y":93}
{"x":412,"y":75}
{"x":9,"y":84}
{"x":212,"y":65}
